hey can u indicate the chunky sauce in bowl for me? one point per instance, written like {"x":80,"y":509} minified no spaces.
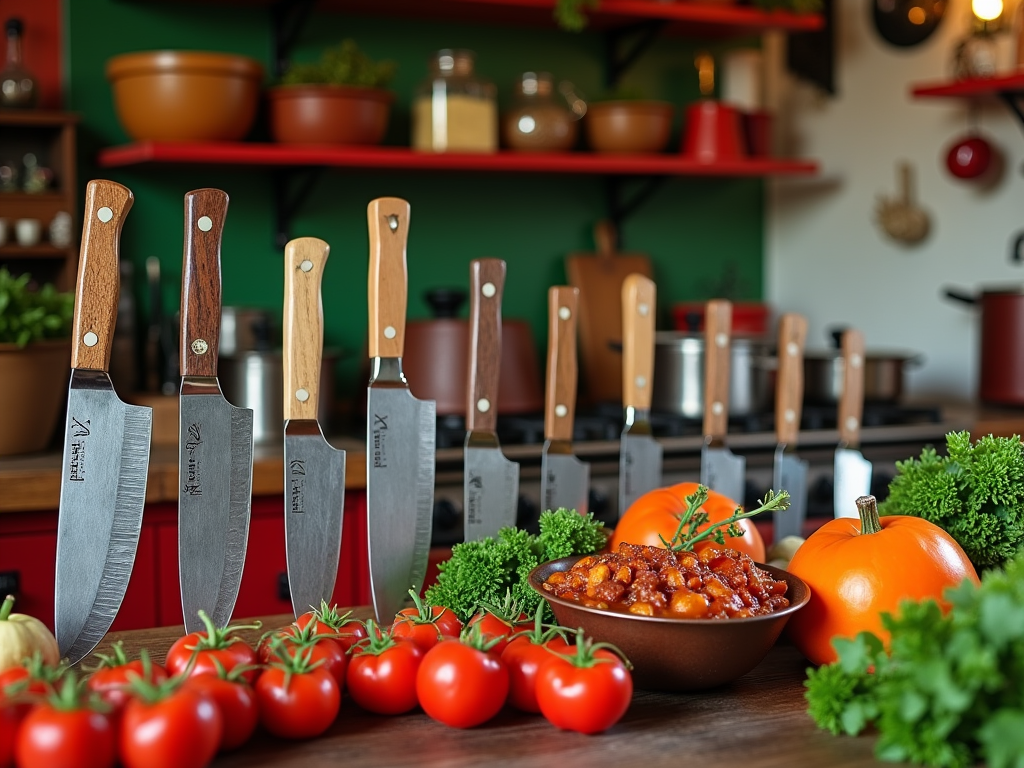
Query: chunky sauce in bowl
{"x":715,"y":583}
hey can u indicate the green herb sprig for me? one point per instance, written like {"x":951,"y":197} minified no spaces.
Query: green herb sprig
{"x":342,"y":64}
{"x":28,"y":315}
{"x":688,"y":533}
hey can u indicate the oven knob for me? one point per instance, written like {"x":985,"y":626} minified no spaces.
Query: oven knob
{"x":446,"y":515}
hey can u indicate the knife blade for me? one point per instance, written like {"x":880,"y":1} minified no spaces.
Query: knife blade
{"x":314,"y":470}
{"x":639,"y":452}
{"x":106,"y":445}
{"x":401,"y":431}
{"x":790,"y":471}
{"x":490,"y":481}
{"x":720,"y":469}
{"x":564,"y":479}
{"x":852,"y":477}
{"x":214,"y":437}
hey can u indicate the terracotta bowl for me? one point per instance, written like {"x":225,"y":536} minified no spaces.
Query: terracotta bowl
{"x":37,"y":375}
{"x":628,"y":126}
{"x":678,"y":654}
{"x":328,"y":114}
{"x":185,"y":95}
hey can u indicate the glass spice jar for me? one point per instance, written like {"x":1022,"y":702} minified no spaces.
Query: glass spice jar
{"x":454,"y":110}
{"x":537,"y":120}
{"x":17,"y":86}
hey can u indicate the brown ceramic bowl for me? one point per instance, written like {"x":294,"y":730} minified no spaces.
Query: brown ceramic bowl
{"x":628,"y":126}
{"x":185,"y":95}
{"x":678,"y":654}
{"x":328,"y":114}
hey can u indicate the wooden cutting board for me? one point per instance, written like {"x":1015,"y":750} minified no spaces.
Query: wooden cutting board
{"x":599,"y":277}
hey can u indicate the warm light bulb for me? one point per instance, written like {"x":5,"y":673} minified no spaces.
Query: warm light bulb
{"x":987,"y":10}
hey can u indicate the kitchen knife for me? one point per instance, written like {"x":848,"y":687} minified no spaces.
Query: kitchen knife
{"x":639,"y":452}
{"x":564,"y":479}
{"x":401,"y":431}
{"x":106,"y":445}
{"x":490,"y":481}
{"x":852,"y":471}
{"x":790,"y":470}
{"x":314,"y":470}
{"x":720,"y":469}
{"x":214,"y":437}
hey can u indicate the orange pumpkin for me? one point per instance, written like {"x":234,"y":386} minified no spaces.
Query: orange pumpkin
{"x":857,"y":569}
{"x":657,"y":513}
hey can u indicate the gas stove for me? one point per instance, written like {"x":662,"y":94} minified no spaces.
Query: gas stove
{"x":890,"y":433}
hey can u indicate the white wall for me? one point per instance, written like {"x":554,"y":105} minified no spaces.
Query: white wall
{"x":825,"y":255}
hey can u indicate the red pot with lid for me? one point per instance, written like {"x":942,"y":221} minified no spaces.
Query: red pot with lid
{"x":1001,"y":368}
{"x":437,"y":354}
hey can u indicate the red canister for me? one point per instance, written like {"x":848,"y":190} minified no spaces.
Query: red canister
{"x":1001,"y":368}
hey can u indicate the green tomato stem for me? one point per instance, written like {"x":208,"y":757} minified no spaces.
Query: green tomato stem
{"x":7,"y":607}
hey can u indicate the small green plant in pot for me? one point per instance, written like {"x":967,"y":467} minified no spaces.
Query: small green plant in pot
{"x":340,"y":99}
{"x":35,"y":358}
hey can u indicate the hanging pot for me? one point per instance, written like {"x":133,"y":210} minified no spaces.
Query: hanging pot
{"x":1001,"y":367}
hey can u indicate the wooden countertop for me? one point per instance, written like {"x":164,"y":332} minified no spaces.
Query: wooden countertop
{"x":32,"y":483}
{"x":760,"y":721}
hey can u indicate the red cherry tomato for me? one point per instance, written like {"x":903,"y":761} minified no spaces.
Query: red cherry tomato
{"x":9,"y":722}
{"x":224,"y":645}
{"x":181,"y":730}
{"x":382,"y":676}
{"x":79,"y":738}
{"x":327,"y":649}
{"x":461,"y":685}
{"x":327,"y":620}
{"x":589,"y":698}
{"x":26,"y":683}
{"x":111,"y":680}
{"x":426,"y":625}
{"x":523,"y":657}
{"x":493,"y":625}
{"x":297,"y":705}
{"x":236,"y":701}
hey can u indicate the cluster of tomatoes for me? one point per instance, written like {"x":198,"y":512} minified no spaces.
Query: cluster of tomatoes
{"x":215,"y":689}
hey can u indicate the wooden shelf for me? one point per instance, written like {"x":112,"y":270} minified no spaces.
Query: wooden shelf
{"x":36,"y":118}
{"x":9,"y":198}
{"x":41,"y":251}
{"x":401,"y":158}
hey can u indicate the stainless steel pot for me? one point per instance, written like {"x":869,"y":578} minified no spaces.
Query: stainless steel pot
{"x":255,"y":379}
{"x":883,"y":374}
{"x":679,"y":375}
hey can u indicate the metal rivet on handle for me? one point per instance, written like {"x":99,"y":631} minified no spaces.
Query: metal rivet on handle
{"x":564,"y":313}
{"x":200,"y":347}
{"x":306,"y":265}
{"x":393,"y":222}
{"x":301,"y":395}
{"x":90,"y":339}
{"x":488,"y":290}
{"x":205,"y":223}
{"x":721,"y":340}
{"x":104,"y":214}
{"x":852,"y":423}
{"x":483,"y":405}
{"x":717,"y":408}
{"x":855,"y":360}
{"x":390,"y":332}
{"x":641,"y":382}
{"x":643,"y":310}
{"x":792,"y":349}
{"x":560,"y":410}
{"x":790,"y":416}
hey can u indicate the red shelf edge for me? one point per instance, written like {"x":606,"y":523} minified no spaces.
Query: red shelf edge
{"x":400,"y":158}
{"x":979,"y":86}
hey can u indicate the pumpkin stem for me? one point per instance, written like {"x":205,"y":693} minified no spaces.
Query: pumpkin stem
{"x":7,"y":607}
{"x":869,"y":520}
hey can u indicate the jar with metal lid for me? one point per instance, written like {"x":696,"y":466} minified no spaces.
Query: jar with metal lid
{"x":538,"y":120}
{"x":454,"y":110}
{"x":17,"y":86}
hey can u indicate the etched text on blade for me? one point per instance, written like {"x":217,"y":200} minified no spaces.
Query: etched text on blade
{"x":639,"y":468}
{"x":722,"y":471}
{"x":491,"y":492}
{"x":565,"y":482}
{"x":103,"y":491}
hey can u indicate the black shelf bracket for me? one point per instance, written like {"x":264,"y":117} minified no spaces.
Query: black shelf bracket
{"x":288,"y":17}
{"x":619,"y":57}
{"x":1013,"y":101}
{"x":291,"y":187}
{"x":620,"y":207}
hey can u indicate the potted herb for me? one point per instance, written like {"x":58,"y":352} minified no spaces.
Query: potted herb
{"x":35,"y":354}
{"x":625,"y":121}
{"x":340,"y":99}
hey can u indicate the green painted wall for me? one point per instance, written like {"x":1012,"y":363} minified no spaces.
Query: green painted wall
{"x":700,"y":233}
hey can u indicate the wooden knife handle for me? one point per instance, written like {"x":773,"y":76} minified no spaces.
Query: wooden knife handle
{"x":560,"y":393}
{"x":99,"y":274}
{"x":205,"y":211}
{"x":486,"y":286}
{"x":303,"y":327}
{"x":717,"y":344}
{"x":639,"y":304}
{"x":851,"y":400}
{"x":388,"y":289}
{"x":789,"y":389}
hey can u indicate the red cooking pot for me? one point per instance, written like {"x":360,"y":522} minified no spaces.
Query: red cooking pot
{"x":1001,"y":369}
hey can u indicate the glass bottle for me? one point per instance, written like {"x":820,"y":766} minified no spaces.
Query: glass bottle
{"x":453,"y":109}
{"x":17,"y":86}
{"x":537,"y":121}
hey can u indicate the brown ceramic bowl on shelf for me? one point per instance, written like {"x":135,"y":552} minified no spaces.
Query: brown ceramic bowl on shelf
{"x":628,"y":127}
{"x":678,"y":654}
{"x":185,"y":95}
{"x":328,"y":114}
